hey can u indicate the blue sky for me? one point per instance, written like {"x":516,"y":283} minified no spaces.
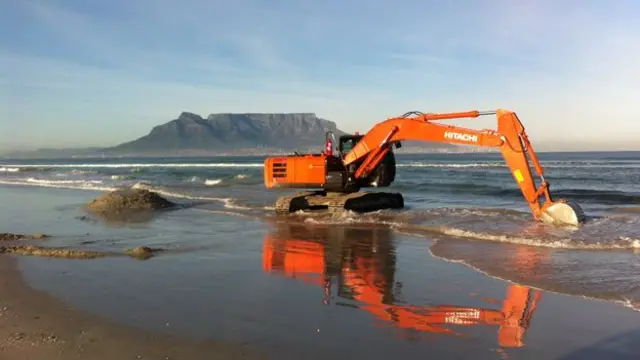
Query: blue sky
{"x":88,"y":72}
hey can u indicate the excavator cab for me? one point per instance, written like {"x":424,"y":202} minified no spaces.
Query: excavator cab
{"x":382,"y":176}
{"x":347,"y":142}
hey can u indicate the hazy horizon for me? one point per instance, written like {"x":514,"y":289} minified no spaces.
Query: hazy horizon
{"x":81,"y":74}
{"x":539,"y":147}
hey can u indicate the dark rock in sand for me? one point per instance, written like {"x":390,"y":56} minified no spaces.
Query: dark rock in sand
{"x":11,"y":237}
{"x":85,"y":218}
{"x":142,"y":252}
{"x":15,"y":237}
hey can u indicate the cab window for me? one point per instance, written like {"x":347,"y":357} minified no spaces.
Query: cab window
{"x":347,"y":145}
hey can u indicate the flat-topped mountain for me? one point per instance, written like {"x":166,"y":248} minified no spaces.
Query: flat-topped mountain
{"x":234,"y":131}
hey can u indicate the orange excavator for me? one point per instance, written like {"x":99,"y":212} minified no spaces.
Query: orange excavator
{"x":335,"y":179}
{"x":362,"y":264}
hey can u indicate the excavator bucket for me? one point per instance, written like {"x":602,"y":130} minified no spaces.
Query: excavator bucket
{"x":563,"y":212}
{"x":518,"y":153}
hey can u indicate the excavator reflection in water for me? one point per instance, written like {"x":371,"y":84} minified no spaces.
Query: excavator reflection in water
{"x":362,"y":262}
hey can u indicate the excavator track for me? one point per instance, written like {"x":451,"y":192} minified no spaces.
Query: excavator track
{"x":294,"y":202}
{"x":337,"y":202}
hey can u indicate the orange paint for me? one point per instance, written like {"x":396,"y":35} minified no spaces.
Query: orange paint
{"x":307,"y":170}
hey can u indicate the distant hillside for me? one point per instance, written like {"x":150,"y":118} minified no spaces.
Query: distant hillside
{"x":233,"y":132}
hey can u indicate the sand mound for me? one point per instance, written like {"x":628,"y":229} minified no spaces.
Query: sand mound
{"x":131,"y":205}
{"x":132,"y":199}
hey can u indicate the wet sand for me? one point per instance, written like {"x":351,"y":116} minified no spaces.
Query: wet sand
{"x":234,"y":299}
{"x":34,"y":325}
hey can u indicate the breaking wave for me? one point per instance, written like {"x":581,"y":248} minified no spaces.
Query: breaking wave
{"x":77,"y":185}
{"x":229,"y":203}
{"x":608,"y":197}
{"x":620,"y":243}
{"x":547,"y":164}
{"x":212,"y":182}
{"x":93,"y":185}
{"x":557,"y":288}
{"x":454,"y":165}
{"x":62,"y":182}
{"x":492,"y":225}
{"x":122,"y":177}
{"x":139,"y":166}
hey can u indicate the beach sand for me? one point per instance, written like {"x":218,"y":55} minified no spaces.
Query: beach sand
{"x":34,"y":325}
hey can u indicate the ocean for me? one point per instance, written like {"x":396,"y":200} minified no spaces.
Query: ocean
{"x":236,"y":269}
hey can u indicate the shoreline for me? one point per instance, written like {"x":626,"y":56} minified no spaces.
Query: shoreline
{"x":221,"y":304}
{"x":36,"y":325}
{"x":577,"y":297}
{"x":625,"y":305}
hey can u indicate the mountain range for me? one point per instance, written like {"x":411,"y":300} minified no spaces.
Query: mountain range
{"x":233,"y":132}
{"x":228,"y":133}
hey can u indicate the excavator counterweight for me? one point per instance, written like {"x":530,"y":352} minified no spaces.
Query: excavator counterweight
{"x":335,"y":180}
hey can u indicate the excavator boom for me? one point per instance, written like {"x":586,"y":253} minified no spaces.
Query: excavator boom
{"x":371,"y":160}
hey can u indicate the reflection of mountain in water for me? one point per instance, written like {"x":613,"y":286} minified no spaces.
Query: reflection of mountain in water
{"x":362,"y":263}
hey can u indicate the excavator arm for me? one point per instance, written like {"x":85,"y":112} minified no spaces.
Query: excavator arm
{"x":510,"y":138}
